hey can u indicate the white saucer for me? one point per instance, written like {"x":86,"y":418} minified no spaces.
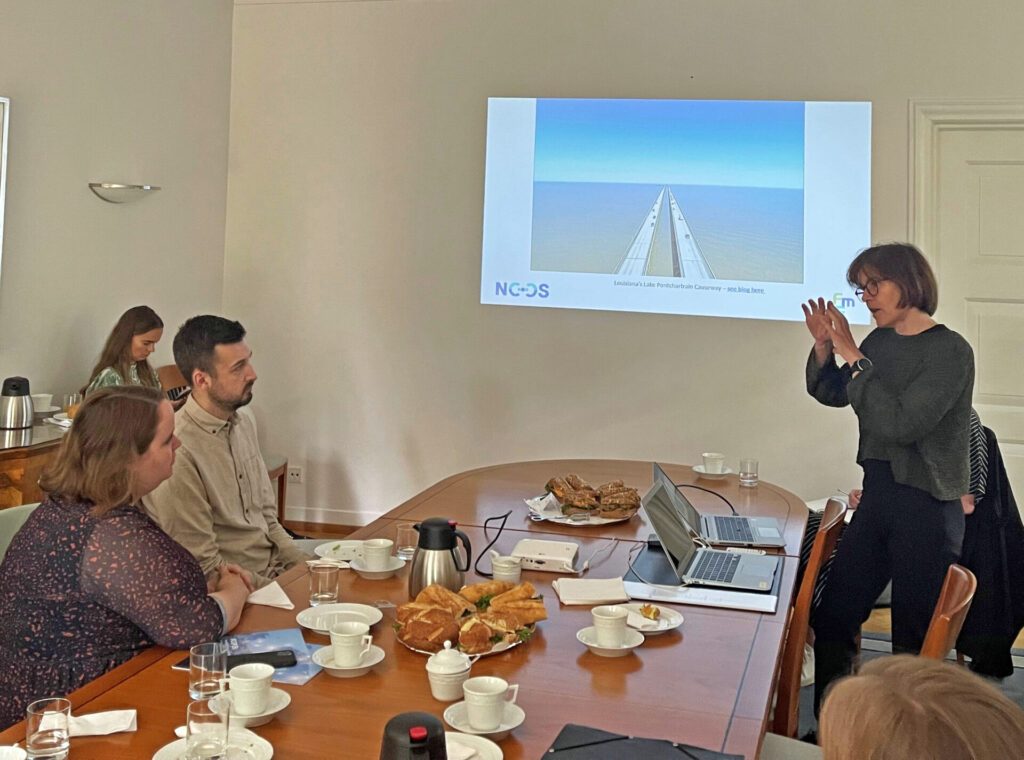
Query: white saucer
{"x":457,"y":717}
{"x":62,"y":416}
{"x":243,"y":744}
{"x":699,"y":469}
{"x":394,"y":565}
{"x":48,"y":410}
{"x":588,"y":636}
{"x":324,"y":657}
{"x":485,"y":748}
{"x":346,"y":550}
{"x":279,"y":699}
{"x":668,"y":619}
{"x":322,"y":617}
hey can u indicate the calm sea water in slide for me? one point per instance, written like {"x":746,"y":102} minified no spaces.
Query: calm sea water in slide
{"x":745,"y":233}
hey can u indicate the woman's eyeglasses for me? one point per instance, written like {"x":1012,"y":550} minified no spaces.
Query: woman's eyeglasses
{"x":870,"y":287}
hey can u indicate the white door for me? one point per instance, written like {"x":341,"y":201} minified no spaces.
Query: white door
{"x":969,"y":207}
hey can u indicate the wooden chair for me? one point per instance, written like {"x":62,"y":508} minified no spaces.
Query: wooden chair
{"x":951,"y":609}
{"x":170,"y":377}
{"x":786,"y":721}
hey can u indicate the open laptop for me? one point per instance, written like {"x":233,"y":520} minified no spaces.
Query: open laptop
{"x":704,"y":567}
{"x":723,"y":530}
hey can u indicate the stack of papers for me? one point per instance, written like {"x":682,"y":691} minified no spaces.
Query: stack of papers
{"x":590,"y":590}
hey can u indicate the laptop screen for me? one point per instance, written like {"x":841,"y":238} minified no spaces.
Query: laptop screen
{"x":683,"y":507}
{"x":673,"y":534}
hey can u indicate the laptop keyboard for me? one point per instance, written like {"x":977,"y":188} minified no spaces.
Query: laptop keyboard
{"x":716,"y":566}
{"x":731,"y":529}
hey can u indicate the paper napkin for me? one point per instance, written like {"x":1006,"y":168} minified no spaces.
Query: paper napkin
{"x":590,"y":590}
{"x":59,"y":423}
{"x":636,"y":620}
{"x":102,"y":723}
{"x":545,"y":506}
{"x":272,"y":595}
{"x":328,"y":561}
{"x":457,"y":750}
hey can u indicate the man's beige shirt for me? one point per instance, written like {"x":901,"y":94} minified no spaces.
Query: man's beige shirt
{"x":219,"y":503}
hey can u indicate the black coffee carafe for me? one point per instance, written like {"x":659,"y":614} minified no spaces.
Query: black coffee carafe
{"x":414,"y":736}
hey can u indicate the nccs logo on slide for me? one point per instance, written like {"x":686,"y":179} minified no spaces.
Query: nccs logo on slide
{"x":517,"y":289}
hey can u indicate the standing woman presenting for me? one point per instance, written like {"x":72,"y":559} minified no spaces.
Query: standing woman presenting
{"x":124,"y":359}
{"x":910,"y":384}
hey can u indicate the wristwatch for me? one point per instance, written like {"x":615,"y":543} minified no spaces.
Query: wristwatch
{"x":861,"y":364}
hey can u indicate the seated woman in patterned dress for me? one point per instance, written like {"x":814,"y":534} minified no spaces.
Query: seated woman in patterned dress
{"x":124,"y":359}
{"x":89,"y":581}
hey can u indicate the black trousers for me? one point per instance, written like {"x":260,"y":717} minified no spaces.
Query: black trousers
{"x":900,"y":533}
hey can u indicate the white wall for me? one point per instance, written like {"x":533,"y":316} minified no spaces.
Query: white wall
{"x":354,"y":222}
{"x":132,"y":91}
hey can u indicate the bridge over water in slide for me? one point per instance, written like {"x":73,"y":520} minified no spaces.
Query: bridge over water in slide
{"x":688,"y":261}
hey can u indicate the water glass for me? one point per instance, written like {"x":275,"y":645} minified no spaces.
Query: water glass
{"x":748,"y":472}
{"x":71,"y":403}
{"x":407,"y":538}
{"x":46,"y":729}
{"x":206,"y":730}
{"x":323,"y":583}
{"x":207,"y":667}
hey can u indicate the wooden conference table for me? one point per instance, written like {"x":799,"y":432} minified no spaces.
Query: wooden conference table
{"x":708,"y":683}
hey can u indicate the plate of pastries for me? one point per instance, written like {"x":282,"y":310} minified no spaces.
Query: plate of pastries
{"x":484,"y":618}
{"x":583,"y":504}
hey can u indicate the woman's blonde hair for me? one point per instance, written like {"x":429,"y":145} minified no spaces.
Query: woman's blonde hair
{"x":912,"y":708}
{"x":113,"y":428}
{"x":117,"y":351}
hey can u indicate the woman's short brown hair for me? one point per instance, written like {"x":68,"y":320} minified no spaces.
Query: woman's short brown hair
{"x":112,"y":429}
{"x":912,"y":708}
{"x":903,"y":264}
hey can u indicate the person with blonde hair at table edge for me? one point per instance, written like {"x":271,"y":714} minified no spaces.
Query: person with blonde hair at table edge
{"x":89,"y":581}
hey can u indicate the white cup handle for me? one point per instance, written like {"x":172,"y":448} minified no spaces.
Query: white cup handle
{"x":367,"y":641}
{"x":512,"y":694}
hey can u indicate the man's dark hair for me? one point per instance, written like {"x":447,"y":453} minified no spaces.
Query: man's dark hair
{"x":198,"y":337}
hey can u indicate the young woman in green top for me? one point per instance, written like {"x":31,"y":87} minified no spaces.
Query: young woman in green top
{"x":123,"y":360}
{"x":910,"y":383}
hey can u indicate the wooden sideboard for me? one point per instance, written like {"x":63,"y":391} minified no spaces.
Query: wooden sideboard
{"x":23,"y":456}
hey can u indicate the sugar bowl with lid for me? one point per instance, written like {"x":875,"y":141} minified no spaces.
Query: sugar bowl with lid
{"x":446,"y":670}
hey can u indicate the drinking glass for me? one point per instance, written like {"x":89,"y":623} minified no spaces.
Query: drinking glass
{"x":71,"y":403}
{"x":748,"y":472}
{"x":46,"y":729}
{"x":207,"y":666}
{"x":323,"y":583}
{"x":406,"y":540}
{"x":206,"y":730}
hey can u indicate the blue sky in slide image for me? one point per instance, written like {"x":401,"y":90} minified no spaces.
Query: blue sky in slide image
{"x":688,"y":142}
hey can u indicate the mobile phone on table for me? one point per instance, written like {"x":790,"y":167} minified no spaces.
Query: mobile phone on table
{"x":279,"y":658}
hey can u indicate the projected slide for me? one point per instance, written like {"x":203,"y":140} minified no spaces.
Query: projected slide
{"x":727,"y":208}
{"x":736,"y":201}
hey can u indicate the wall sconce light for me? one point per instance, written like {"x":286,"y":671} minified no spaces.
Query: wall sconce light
{"x":112,"y":192}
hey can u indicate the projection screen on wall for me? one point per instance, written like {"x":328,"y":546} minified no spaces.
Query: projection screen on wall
{"x":707,"y":207}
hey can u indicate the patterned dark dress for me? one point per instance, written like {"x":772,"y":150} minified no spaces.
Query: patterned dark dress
{"x":81,"y":595}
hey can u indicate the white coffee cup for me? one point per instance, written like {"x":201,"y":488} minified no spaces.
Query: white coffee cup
{"x":486,"y":697}
{"x":12,"y":753}
{"x":377,"y":552}
{"x":41,"y":402}
{"x":250,"y":687}
{"x":508,"y":569}
{"x":713,"y":462}
{"x":350,"y":641}
{"x":610,"y":624}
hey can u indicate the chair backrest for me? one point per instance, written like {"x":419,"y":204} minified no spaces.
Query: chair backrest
{"x":11,"y":520}
{"x":951,"y":609}
{"x":787,"y":701}
{"x":170,"y":377}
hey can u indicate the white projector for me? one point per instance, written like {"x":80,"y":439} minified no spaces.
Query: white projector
{"x":549,"y":556}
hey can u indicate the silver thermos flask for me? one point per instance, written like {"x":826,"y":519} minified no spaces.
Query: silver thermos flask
{"x":436,"y":559}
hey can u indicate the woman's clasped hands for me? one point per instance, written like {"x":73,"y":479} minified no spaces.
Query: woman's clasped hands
{"x":830,"y":330}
